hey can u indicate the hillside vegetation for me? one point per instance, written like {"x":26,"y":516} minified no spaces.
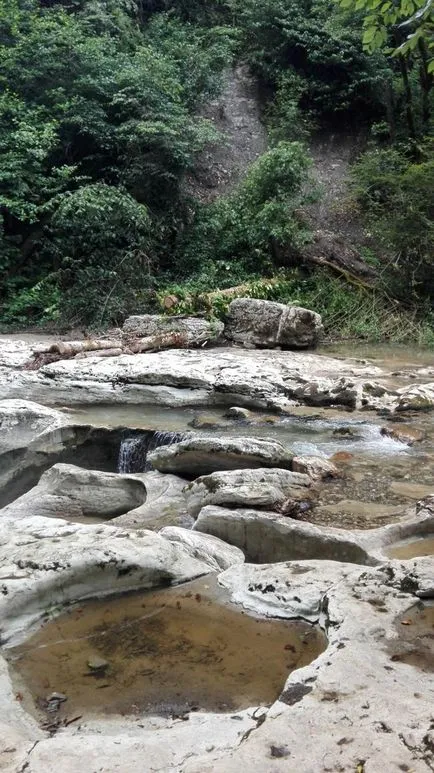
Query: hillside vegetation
{"x":101,"y":105}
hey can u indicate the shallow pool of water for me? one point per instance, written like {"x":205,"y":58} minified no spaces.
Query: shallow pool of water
{"x":423,"y":546}
{"x":167,"y":651}
{"x":415,"y":642}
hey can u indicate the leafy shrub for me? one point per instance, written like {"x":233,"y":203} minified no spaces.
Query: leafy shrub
{"x":397,"y":196}
{"x":249,"y":227}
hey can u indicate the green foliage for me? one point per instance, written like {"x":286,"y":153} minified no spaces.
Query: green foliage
{"x":415,"y":18}
{"x":89,"y":103}
{"x":308,"y":38}
{"x":397,"y":196}
{"x":348,"y":311}
{"x":260,"y":217}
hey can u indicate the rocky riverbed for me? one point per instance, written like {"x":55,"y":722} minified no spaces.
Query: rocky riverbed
{"x":310,"y":500}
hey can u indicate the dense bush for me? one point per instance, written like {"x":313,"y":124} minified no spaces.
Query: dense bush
{"x":250,"y":226}
{"x":100,"y":104}
{"x":308,"y":38}
{"x":397,"y":196}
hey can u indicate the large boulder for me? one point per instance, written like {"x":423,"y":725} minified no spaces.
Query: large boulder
{"x":69,"y":492}
{"x":266,"y":489}
{"x":203,"y":455}
{"x":267,"y":537}
{"x":267,"y":324}
{"x":193,"y":331}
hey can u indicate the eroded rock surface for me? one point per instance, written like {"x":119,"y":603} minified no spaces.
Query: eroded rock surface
{"x":265,"y":536}
{"x":205,"y":545}
{"x":260,"y":488}
{"x":69,"y":492}
{"x":165,"y":504}
{"x":198,"y":455}
{"x":176,"y":378}
{"x":266,"y":324}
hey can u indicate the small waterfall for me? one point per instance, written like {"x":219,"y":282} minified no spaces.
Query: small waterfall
{"x":133,"y":451}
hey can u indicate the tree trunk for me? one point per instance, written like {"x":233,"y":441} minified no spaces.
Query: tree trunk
{"x":408,"y":97}
{"x":426,"y":82}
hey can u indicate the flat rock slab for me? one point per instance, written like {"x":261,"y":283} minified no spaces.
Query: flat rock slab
{"x":177,"y":378}
{"x":198,"y":455}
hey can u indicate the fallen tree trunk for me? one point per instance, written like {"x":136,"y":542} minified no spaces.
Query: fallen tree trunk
{"x":156,"y":342}
{"x":71,"y":348}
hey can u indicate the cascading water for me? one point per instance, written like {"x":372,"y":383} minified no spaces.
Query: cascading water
{"x":133,"y":451}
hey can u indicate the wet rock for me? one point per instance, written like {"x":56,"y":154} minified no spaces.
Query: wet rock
{"x":316,"y":467}
{"x":346,"y":433}
{"x":418,"y":397}
{"x":238,"y":413}
{"x":411,"y":490}
{"x":200,"y":455}
{"x":341,"y":456}
{"x":47,"y":564}
{"x":70,"y":492}
{"x":268,"y":324}
{"x":265,"y":489}
{"x":403,"y":433}
{"x":193,"y":331}
{"x":96,"y":663}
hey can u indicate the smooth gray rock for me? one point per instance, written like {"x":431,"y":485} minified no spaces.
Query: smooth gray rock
{"x":267,"y":324}
{"x":205,"y":545}
{"x":165,"y":504}
{"x":200,"y":455}
{"x":261,"y":488}
{"x":265,"y":536}
{"x":195,"y":331}
{"x":47,"y":563}
{"x":69,"y":492}
{"x":263,"y":379}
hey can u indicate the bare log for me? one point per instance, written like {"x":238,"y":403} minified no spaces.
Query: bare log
{"x":155,"y":342}
{"x":70,"y":348}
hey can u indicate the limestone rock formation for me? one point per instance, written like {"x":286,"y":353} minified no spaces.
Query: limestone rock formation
{"x":165,"y":504}
{"x":261,"y":488}
{"x":69,"y":492}
{"x":205,"y":546}
{"x":200,"y":455}
{"x":265,"y":536}
{"x":316,"y":467}
{"x":267,"y":324}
